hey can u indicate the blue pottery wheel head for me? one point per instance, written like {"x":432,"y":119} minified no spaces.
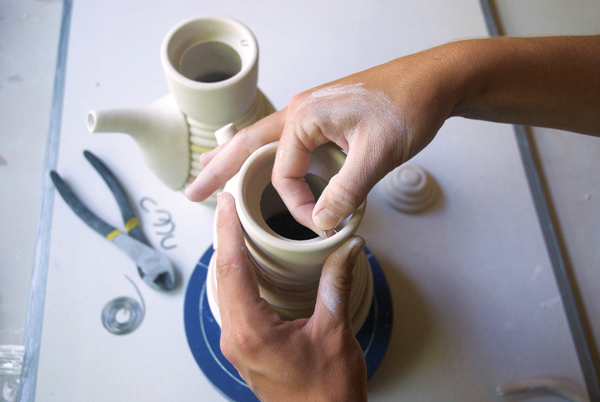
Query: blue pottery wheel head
{"x":203,"y":333}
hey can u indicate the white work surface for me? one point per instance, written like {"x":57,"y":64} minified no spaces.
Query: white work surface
{"x":28,"y":46}
{"x":475,"y":300}
{"x":569,"y":162}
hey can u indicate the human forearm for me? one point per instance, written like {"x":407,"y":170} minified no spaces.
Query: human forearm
{"x":385,"y":115}
{"x":547,"y":81}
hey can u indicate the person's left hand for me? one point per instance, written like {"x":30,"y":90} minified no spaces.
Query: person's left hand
{"x":315,"y":359}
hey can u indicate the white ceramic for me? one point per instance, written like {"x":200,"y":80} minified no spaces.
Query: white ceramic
{"x":289,"y":270}
{"x":211,"y":65}
{"x":160,"y":131}
{"x":409,"y":188}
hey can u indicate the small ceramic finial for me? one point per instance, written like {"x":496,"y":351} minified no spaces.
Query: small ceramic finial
{"x":409,"y":188}
{"x":225,"y":134}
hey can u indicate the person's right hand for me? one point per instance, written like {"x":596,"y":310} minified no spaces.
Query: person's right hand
{"x":385,"y":115}
{"x":381,"y":117}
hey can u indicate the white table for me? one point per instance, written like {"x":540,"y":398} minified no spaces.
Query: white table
{"x":475,"y":300}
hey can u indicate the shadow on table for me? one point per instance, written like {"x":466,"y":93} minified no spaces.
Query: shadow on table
{"x":411,"y":330}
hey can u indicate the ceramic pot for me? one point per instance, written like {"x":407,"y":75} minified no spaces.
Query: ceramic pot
{"x":160,"y":131}
{"x":289,"y":258}
{"x":211,"y":65}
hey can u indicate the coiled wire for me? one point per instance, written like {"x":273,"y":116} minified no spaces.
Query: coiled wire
{"x":130,"y":307}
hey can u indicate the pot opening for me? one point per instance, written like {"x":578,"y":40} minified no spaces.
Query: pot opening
{"x":210,"y":62}
{"x":279,"y":218}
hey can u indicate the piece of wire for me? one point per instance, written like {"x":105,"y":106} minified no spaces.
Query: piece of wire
{"x":327,"y":236}
{"x":542,"y":385}
{"x":144,"y":200}
{"x":167,"y":247}
{"x":135,"y":313}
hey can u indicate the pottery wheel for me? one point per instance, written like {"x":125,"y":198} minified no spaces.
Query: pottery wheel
{"x":203,"y":333}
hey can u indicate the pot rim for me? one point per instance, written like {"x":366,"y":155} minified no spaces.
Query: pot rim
{"x":234,"y":24}
{"x":253,"y":228}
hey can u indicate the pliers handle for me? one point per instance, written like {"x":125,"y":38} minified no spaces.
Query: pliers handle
{"x":154,"y":268}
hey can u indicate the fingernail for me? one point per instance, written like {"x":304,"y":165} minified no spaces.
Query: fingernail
{"x":326,"y":219}
{"x":356,"y":246}
{"x":202,"y":156}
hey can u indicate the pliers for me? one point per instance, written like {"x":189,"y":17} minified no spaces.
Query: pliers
{"x":154,"y":268}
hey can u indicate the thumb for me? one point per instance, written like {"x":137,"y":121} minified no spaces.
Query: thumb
{"x":348,"y":190}
{"x":333,"y":300}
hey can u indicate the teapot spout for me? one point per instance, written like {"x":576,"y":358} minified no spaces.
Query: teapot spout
{"x":161,"y":132}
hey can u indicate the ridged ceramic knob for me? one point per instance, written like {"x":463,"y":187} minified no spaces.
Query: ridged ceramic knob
{"x":409,"y":188}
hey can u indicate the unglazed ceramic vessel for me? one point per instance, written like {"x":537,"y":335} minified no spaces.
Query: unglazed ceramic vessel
{"x":211,"y":65}
{"x":289,"y":258}
{"x":160,"y":131}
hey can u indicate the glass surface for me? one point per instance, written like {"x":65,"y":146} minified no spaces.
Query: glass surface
{"x":29,"y":34}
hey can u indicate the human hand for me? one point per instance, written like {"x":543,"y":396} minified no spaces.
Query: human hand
{"x":385,"y":115}
{"x":381,"y":117}
{"x":315,"y":359}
